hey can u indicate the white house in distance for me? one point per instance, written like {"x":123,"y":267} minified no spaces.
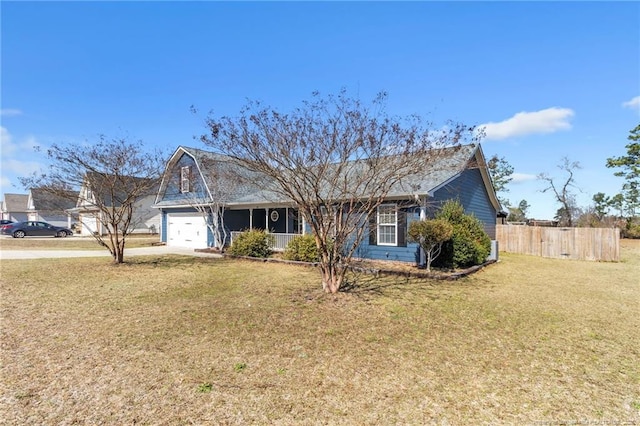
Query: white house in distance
{"x":15,"y":207}
{"x":146,"y":220}
{"x":46,"y":207}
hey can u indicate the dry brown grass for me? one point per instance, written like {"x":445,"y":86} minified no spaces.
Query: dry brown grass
{"x":70,"y":243}
{"x":180,"y":340}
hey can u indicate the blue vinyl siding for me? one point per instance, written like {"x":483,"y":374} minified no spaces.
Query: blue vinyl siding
{"x":410,"y":253}
{"x":469,"y":189}
{"x":172,"y":191}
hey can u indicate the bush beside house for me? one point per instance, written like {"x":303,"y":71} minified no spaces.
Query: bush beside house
{"x":253,"y":243}
{"x":469,"y":245}
{"x":302,"y":248}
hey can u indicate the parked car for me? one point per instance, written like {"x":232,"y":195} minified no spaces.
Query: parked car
{"x":5,"y":222}
{"x":34,"y":229}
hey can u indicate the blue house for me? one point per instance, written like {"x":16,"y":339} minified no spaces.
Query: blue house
{"x":205,"y":201}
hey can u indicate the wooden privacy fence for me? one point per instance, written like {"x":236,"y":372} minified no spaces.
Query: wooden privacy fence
{"x":601,"y":244}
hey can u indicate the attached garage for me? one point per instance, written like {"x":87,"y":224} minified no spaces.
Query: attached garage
{"x":186,"y":230}
{"x":90,"y":223}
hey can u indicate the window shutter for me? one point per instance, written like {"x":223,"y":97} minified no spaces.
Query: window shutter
{"x":373,"y":229}
{"x":402,"y":228}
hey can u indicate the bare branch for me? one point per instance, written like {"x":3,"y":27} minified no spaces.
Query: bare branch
{"x":110,"y":176}
{"x":336,"y":160}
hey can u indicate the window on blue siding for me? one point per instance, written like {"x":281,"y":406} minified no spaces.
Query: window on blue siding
{"x":185,"y":179}
{"x":387,"y":225}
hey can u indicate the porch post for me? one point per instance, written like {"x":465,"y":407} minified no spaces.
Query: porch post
{"x":251,"y":219}
{"x":216,"y":229}
{"x":266,"y":220}
{"x":286,"y":220}
{"x":423,"y":216}
{"x":304,"y":225}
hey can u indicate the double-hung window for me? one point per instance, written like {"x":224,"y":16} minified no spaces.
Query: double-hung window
{"x":185,"y":179}
{"x":387,"y":225}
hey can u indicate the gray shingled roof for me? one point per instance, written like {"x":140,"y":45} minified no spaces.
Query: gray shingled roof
{"x":16,"y":203}
{"x":44,"y":201}
{"x":256,"y":188}
{"x":102,"y":185}
{"x":219,"y":171}
{"x":448,"y":165}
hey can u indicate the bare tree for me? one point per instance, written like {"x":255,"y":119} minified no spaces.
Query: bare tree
{"x":563,"y":192}
{"x":334,"y":159}
{"x":110,"y":176}
{"x":211,"y":197}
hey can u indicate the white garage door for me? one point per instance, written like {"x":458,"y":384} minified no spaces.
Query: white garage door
{"x":90,"y":223}
{"x":186,"y":230}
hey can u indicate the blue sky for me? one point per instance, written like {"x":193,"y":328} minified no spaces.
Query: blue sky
{"x":546,"y":79}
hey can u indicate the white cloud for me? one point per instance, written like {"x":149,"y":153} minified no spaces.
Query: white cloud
{"x":5,"y":182}
{"x":527,"y":123}
{"x":9,"y":147}
{"x":18,"y":159}
{"x":633,"y":103}
{"x":6,"y":142}
{"x":10,"y":112}
{"x":522,"y":177}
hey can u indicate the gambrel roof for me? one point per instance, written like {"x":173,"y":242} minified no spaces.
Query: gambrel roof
{"x":252,"y":188}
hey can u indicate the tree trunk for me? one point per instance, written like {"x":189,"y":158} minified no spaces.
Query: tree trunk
{"x":117,"y":250}
{"x":332,"y":276}
{"x":118,"y":255}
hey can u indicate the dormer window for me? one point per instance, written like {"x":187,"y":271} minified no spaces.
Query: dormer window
{"x":185,"y":179}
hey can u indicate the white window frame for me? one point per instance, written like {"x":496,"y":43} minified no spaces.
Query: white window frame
{"x":394,"y":224}
{"x":185,"y":181}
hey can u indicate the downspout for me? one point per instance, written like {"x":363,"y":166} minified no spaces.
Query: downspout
{"x":423,"y":217}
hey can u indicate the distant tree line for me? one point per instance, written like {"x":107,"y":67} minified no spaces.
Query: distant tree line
{"x":620,"y":210}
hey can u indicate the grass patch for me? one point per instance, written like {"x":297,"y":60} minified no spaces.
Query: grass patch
{"x":71,"y":243}
{"x":526,"y":340}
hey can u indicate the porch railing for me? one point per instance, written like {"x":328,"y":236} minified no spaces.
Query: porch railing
{"x":280,"y":241}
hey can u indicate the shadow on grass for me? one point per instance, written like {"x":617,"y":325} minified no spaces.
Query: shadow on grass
{"x":361,"y":285}
{"x":368,"y":286}
{"x":168,"y":261}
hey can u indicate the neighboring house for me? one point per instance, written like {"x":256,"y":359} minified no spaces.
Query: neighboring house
{"x":195,"y":177}
{"x":46,"y":207}
{"x":15,"y":207}
{"x":145,"y":218}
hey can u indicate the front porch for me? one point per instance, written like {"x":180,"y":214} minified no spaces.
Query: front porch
{"x":283,"y":223}
{"x":280,"y":241}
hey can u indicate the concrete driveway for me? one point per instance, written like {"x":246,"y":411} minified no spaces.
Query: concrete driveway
{"x":138,"y":251}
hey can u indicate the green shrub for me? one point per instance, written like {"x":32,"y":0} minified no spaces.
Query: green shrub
{"x":632,"y":229}
{"x":302,"y":248}
{"x":430,"y":234}
{"x":254,"y":243}
{"x":469,"y":244}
